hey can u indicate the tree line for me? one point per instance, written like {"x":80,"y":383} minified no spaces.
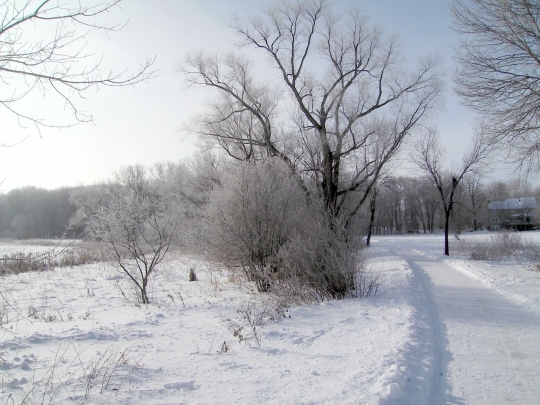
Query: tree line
{"x":413,"y":205}
{"x":32,"y":212}
{"x":400,"y":204}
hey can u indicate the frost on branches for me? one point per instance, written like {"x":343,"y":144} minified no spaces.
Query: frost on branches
{"x":139,"y":230}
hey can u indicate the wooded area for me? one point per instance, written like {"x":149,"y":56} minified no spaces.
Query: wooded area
{"x":402,"y":204}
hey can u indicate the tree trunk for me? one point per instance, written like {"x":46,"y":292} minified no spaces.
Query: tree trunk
{"x":371,"y":219}
{"x":144,"y":295}
{"x":446,"y":227}
{"x":475,"y":227}
{"x":423,"y":220}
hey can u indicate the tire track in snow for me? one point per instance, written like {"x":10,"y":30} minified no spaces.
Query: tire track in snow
{"x":432,"y":332}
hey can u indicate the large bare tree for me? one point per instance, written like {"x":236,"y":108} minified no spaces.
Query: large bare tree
{"x":498,"y":74}
{"x":340,"y":110}
{"x":42,"y":50}
{"x":429,"y":157}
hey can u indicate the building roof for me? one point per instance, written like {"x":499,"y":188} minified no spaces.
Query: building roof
{"x":513,"y":204}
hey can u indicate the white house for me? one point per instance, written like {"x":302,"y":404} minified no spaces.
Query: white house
{"x":512,"y":213}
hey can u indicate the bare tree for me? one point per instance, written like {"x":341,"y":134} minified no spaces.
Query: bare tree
{"x":134,"y":178}
{"x":372,"y":209}
{"x":498,"y":191}
{"x":473,"y":189}
{"x":42,"y":49}
{"x":381,"y":183}
{"x":429,"y":157}
{"x":347,"y":89}
{"x":420,"y":206}
{"x":139,"y":230}
{"x":498,"y":72}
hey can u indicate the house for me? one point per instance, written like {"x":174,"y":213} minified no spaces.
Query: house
{"x":512,"y":213}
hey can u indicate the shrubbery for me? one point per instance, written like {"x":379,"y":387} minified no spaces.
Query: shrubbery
{"x":79,"y":254}
{"x":498,"y":246}
{"x":262,"y":223}
{"x":138,"y":230}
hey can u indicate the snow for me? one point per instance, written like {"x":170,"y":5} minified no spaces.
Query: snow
{"x":440,"y":330}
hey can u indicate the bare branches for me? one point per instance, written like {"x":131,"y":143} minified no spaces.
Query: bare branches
{"x":498,"y":75}
{"x":139,"y":229}
{"x":242,"y":119}
{"x":53,"y":62}
{"x":347,"y":89}
{"x":429,"y":158}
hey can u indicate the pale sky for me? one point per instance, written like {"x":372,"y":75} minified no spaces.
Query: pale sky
{"x":142,"y":124}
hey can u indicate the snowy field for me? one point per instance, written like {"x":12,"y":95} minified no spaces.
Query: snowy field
{"x":8,"y":246}
{"x":440,"y":330}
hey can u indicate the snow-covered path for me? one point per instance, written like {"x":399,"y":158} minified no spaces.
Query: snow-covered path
{"x":485,"y":348}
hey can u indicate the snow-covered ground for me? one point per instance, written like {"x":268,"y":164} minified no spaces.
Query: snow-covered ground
{"x":440,"y":330}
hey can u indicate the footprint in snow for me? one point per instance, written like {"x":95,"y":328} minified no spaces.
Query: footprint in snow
{"x":305,"y":341}
{"x":276,"y":351}
{"x":348,"y":321}
{"x":230,"y":364}
{"x":188,"y":385}
{"x":16,"y":383}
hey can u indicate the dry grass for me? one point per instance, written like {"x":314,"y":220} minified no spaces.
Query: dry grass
{"x":499,"y":246}
{"x":67,"y":256}
{"x":105,"y":373}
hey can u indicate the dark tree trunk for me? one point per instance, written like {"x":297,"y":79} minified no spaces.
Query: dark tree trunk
{"x":446,"y":228}
{"x":372,"y":206}
{"x":474,"y":214}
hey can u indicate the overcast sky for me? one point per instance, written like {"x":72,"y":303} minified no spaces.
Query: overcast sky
{"x":142,"y":124}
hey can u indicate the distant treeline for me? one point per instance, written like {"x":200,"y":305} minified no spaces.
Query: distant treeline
{"x":413,"y":205}
{"x":37,"y":213}
{"x":32,"y":212}
{"x":401,"y":204}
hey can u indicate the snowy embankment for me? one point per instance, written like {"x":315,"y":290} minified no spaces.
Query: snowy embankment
{"x":72,"y":335}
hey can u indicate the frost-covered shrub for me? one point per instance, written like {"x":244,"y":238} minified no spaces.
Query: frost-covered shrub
{"x":138,"y":230}
{"x":323,"y":257}
{"x":261,"y":222}
{"x":498,"y":246}
{"x":252,"y":216}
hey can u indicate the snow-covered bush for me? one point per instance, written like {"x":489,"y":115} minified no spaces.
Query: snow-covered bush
{"x":139,"y":230}
{"x":498,"y":246}
{"x":322,"y":256}
{"x":254,"y":213}
{"x":251,"y":315}
{"x":261,"y":222}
